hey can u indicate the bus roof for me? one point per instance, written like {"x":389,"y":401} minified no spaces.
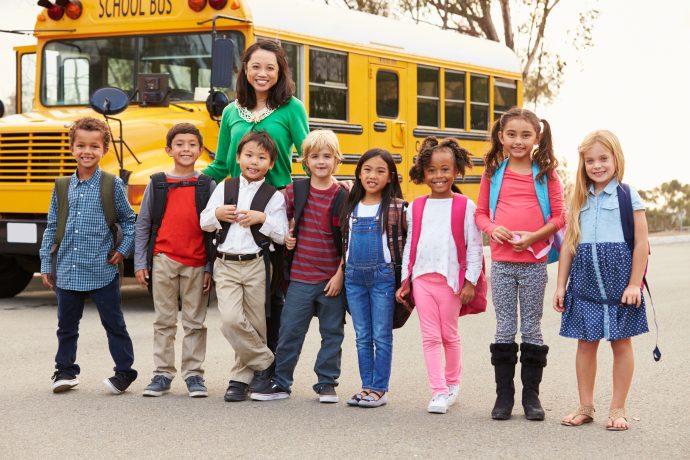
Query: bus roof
{"x":326,"y":22}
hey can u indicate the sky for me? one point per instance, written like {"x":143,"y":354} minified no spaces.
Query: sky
{"x":634,"y":81}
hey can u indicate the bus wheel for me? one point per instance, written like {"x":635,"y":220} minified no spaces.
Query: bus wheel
{"x":13,"y":278}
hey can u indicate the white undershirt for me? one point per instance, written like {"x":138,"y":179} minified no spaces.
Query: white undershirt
{"x":369,"y":210}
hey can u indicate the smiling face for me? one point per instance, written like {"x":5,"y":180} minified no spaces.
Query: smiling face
{"x":87,"y":149}
{"x":600,"y":165}
{"x":184,"y":150}
{"x":321,"y":164}
{"x":254,"y":161}
{"x":262,"y":71}
{"x":440,"y":173}
{"x":374,"y":176}
{"x":518,"y":138}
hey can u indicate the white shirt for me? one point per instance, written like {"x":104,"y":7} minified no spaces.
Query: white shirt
{"x":240,"y":239}
{"x":370,"y":210}
{"x":436,"y":250}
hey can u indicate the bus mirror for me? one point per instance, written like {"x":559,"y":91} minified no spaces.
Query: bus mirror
{"x":222,"y":56}
{"x":2,"y":109}
{"x":216,"y":102}
{"x":109,"y":101}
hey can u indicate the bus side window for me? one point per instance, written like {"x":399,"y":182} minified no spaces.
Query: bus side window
{"x":479,"y":102}
{"x":455,"y":99}
{"x":328,"y":88}
{"x":505,"y":96}
{"x":427,"y":96}
{"x":28,"y":81}
{"x":293,"y":52}
{"x":387,"y":94}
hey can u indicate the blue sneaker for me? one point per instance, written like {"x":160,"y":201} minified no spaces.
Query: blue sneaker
{"x":159,"y":385}
{"x":196,"y":387}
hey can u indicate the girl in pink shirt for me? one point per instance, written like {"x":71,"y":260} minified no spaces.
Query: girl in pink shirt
{"x":520,"y":207}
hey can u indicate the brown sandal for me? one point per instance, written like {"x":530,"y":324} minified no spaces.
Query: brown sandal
{"x":587,"y":412}
{"x":615,"y":414}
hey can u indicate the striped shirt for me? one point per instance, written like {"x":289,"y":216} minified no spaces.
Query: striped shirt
{"x":316,"y":258}
{"x":82,"y":260}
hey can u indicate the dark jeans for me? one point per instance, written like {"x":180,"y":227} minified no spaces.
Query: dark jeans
{"x":302,"y":303}
{"x":70,"y":310}
{"x":273,"y":321}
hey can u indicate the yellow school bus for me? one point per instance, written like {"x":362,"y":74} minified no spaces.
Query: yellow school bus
{"x":376,"y":82}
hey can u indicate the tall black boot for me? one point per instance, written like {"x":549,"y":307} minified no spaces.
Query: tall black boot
{"x":533,"y":359}
{"x":504,"y":358}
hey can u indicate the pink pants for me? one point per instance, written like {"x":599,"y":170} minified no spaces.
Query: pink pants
{"x":438,"y":309}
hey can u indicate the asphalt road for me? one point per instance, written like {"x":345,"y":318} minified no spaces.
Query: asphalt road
{"x":90,"y":423}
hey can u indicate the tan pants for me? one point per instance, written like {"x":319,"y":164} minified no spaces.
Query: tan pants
{"x":240,"y":287}
{"x":172,"y":281}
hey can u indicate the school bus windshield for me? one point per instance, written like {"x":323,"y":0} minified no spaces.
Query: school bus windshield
{"x":74,"y":69}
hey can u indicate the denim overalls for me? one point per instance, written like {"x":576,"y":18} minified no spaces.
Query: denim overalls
{"x":370,"y":288}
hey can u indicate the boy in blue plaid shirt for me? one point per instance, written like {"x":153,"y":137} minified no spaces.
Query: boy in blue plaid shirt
{"x":87,"y":262}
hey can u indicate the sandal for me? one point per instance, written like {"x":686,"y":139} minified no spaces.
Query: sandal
{"x":374,"y":399}
{"x":587,"y":413}
{"x":357,"y":397}
{"x":615,"y":414}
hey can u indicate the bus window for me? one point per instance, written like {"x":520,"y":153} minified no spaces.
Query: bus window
{"x":455,"y":99}
{"x":28,"y":79}
{"x":479,"y":102}
{"x":75,"y":80}
{"x":327,"y":84}
{"x":427,"y":96}
{"x":293,"y":52}
{"x":387,"y":94}
{"x":505,"y":96}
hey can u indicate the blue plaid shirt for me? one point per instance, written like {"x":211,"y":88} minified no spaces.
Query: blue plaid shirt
{"x":82,"y":260}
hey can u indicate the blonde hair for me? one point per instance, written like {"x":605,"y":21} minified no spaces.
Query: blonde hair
{"x":318,"y":140}
{"x":610,"y":142}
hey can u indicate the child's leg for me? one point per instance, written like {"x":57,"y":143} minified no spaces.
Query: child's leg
{"x":504,"y":292}
{"x":531,"y":279}
{"x":360,"y":309}
{"x":194,"y":305}
{"x":449,"y":307}
{"x":69,"y":313}
{"x":165,"y":286}
{"x":331,"y":313}
{"x":586,"y":370}
{"x":107,"y":300}
{"x":623,"y":367}
{"x":382,"y":298}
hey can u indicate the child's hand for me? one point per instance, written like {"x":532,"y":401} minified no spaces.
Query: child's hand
{"x":115,"y":258}
{"x":501,"y":234}
{"x":47,"y":281}
{"x":559,"y":300}
{"x":142,"y":277}
{"x":290,"y":241}
{"x":249,"y":218}
{"x":467,"y":293}
{"x":208,"y":281}
{"x":632,"y":296}
{"x":227,"y":213}
{"x":334,"y":285}
{"x":402,"y":293}
{"x":521,"y":240}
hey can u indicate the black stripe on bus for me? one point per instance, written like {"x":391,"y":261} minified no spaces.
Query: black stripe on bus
{"x":424,"y":132}
{"x":342,"y":128}
{"x":468,"y":180}
{"x":477,"y":161}
{"x":380,"y":127}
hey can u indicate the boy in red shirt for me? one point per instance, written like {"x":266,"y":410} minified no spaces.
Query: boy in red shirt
{"x":171,"y":252}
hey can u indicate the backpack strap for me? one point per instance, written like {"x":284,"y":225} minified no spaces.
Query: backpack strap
{"x":495,"y":183}
{"x":231,"y":194}
{"x":202,"y":193}
{"x":62,"y":195}
{"x":108,"y":184}
{"x":336,"y":211}
{"x":159,"y":189}
{"x":417,"y":214}
{"x":259,"y":202}
{"x":300,"y":190}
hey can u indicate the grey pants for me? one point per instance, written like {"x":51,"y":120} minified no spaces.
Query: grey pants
{"x":526,"y":282}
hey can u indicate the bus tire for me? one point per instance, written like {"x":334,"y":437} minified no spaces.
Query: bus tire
{"x":13,"y":277}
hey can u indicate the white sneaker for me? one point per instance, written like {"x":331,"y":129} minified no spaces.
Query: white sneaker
{"x":438,"y":404}
{"x":453,"y":391}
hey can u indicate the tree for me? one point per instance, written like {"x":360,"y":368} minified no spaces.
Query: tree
{"x":669,"y":205}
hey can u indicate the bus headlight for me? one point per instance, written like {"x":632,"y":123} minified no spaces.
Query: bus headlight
{"x":135,"y":194}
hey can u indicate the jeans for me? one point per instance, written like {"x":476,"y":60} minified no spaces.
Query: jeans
{"x":371,"y":298}
{"x":302,"y":303}
{"x":70,"y":310}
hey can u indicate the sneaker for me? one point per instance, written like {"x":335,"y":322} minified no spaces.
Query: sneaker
{"x":236,"y":392}
{"x":159,"y":385}
{"x":119,"y":382}
{"x":272,"y":393}
{"x":196,"y":386}
{"x":63,"y":381}
{"x":262,"y":379}
{"x":327,"y":394}
{"x":453,"y":391}
{"x":438,"y":404}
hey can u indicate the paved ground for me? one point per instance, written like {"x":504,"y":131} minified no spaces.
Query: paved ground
{"x":89,"y":423}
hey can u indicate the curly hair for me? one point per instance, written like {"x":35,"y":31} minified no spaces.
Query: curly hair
{"x":431,"y":145}
{"x":90,"y":124}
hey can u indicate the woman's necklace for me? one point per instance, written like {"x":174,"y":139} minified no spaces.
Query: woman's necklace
{"x":253,"y":117}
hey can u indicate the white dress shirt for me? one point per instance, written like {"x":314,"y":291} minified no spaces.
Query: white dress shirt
{"x":239,"y":239}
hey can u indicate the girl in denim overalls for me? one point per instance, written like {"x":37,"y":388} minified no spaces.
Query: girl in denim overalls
{"x":369,"y":274}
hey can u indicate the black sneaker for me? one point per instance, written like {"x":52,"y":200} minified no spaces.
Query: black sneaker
{"x":119,"y":382}
{"x":262,"y":379}
{"x":62,"y":381}
{"x":327,"y":394}
{"x":236,"y":392}
{"x":272,"y":393}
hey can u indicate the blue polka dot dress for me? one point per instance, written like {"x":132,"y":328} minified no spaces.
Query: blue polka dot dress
{"x":600,"y":273}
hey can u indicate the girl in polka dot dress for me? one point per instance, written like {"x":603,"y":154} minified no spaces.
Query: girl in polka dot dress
{"x":603,"y":298}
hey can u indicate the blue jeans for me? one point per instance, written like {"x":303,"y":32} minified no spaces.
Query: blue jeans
{"x":371,"y":298}
{"x":302,"y":303}
{"x":70,"y":310}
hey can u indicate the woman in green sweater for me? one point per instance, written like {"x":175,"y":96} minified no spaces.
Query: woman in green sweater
{"x":264,"y":102}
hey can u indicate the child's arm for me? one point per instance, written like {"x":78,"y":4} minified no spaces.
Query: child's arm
{"x":474,"y":254}
{"x":142,"y":234}
{"x":335,"y":284}
{"x":126,"y":218}
{"x":274,"y":218}
{"x":47,"y":243}
{"x":565,"y":261}
{"x":482,"y":216}
{"x":405,"y":288}
{"x":633,"y":293}
{"x":209,"y":219}
{"x":555,"y":222}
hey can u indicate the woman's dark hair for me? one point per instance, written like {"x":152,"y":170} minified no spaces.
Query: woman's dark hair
{"x":263,"y":140}
{"x":391,"y":190}
{"x":431,"y":145}
{"x":279,"y":93}
{"x":544,"y":157}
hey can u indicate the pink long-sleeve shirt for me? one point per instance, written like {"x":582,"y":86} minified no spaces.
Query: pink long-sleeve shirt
{"x":518,"y":209}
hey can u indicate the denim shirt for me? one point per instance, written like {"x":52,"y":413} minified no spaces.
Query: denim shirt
{"x":600,"y":218}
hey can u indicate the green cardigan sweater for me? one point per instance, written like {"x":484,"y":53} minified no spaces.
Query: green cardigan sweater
{"x":287,"y":125}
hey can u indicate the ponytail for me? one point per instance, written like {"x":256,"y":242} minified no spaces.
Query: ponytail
{"x":544,"y":157}
{"x":494,"y":156}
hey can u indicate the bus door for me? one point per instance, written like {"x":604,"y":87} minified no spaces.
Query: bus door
{"x":387,"y":110}
{"x":26,"y":78}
